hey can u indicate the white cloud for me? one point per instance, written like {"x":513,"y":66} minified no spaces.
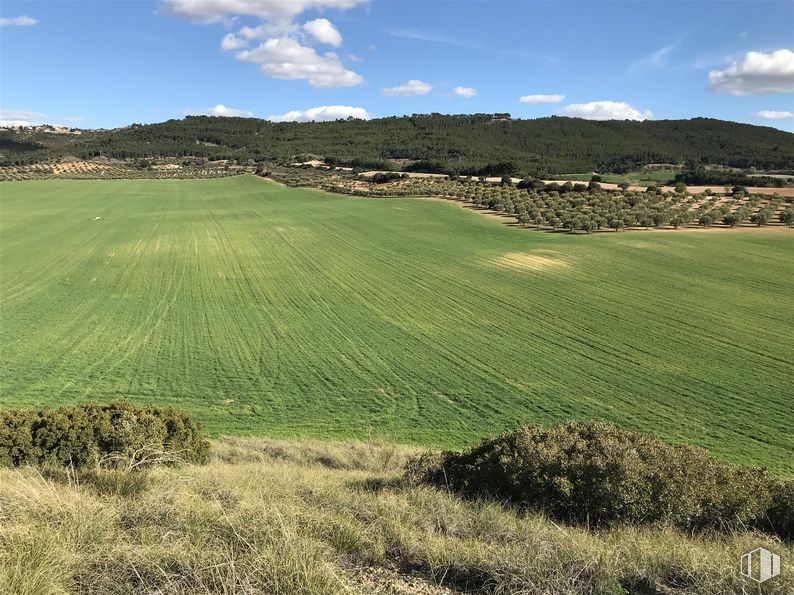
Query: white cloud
{"x":220,"y":110}
{"x":20,"y":21}
{"x":757,"y":72}
{"x":323,"y":113}
{"x":281,"y":53}
{"x":412,"y":87}
{"x":605,"y":110}
{"x":215,"y":11}
{"x":10,"y":117}
{"x":465,"y":91}
{"x":231,"y":42}
{"x":285,"y":58}
{"x":773,"y":115}
{"x":323,"y":31}
{"x":541,"y":98}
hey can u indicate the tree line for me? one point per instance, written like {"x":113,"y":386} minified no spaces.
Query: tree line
{"x":578,"y":206}
{"x":479,"y":144}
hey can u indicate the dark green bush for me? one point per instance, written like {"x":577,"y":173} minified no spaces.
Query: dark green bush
{"x":383,"y":177}
{"x":598,"y":474}
{"x":779,"y":517}
{"x":85,"y":435}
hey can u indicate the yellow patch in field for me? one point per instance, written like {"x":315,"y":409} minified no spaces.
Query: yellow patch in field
{"x":526,"y":261}
{"x":642,"y":244}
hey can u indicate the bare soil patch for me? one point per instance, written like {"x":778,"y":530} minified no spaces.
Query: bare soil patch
{"x":378,"y":580}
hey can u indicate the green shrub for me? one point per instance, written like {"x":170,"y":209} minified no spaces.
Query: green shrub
{"x":779,"y":517}
{"x":597,"y":474}
{"x":85,"y":435}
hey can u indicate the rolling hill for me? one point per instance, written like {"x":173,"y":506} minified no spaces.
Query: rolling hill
{"x":269,"y":310}
{"x":475,"y":144}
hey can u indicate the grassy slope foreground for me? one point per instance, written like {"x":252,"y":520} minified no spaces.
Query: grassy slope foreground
{"x":262,"y":309}
{"x":305,"y":518}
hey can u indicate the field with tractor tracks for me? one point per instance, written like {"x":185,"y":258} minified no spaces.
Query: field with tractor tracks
{"x":280,"y":311}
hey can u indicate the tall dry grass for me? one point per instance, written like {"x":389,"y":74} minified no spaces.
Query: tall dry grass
{"x":297,"y":517}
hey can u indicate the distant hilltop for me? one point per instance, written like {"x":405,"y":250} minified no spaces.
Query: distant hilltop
{"x":478,"y":144}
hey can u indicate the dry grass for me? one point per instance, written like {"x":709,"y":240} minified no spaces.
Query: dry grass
{"x":277,"y":517}
{"x":526,"y":261}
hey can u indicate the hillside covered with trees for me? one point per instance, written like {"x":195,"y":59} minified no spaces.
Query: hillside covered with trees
{"x":479,"y":144}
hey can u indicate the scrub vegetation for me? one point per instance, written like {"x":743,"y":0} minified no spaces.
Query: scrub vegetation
{"x":301,"y":517}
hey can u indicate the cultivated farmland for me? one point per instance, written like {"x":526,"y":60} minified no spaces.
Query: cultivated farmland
{"x":264,"y":309}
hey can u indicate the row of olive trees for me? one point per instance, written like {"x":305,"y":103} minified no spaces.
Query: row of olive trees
{"x":588,"y":207}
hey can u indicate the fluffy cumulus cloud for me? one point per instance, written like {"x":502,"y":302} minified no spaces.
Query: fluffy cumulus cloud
{"x":773,"y":115}
{"x":220,"y":110}
{"x":323,"y":31}
{"x":605,"y":110}
{"x":541,"y":98}
{"x":280,"y":46}
{"x":20,"y":21}
{"x":411,"y":87}
{"x":10,"y":117}
{"x":465,"y":91}
{"x":215,"y":11}
{"x":285,"y":58}
{"x":757,"y":72}
{"x":325,"y":113}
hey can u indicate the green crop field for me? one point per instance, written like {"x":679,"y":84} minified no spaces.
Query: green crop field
{"x":641,"y":178}
{"x":268,"y":310}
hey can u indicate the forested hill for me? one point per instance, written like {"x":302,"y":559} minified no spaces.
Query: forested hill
{"x":471,"y":144}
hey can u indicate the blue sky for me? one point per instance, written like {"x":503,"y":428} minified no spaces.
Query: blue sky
{"x":111,"y":63}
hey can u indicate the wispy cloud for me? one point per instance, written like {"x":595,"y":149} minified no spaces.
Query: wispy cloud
{"x":711,"y":60}
{"x":418,"y":35}
{"x":659,"y":58}
{"x":20,"y":21}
